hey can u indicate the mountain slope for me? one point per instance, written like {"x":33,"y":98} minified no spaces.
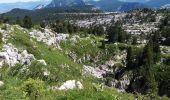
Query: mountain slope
{"x":131,"y":6}
{"x":157,"y":3}
{"x":116,"y":5}
{"x":65,"y":3}
{"x":52,"y":13}
{"x":4,"y":7}
{"x":18,"y":79}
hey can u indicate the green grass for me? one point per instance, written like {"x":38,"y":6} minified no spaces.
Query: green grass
{"x":55,"y":58}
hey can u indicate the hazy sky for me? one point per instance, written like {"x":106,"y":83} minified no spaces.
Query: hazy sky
{"x":12,"y":1}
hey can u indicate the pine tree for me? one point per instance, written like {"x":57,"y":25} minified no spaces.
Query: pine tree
{"x":129,"y":58}
{"x":42,"y":24}
{"x":121,"y":35}
{"x":27,"y":22}
{"x":156,"y":47}
{"x":148,"y":72}
{"x":116,"y":34}
{"x":112,"y":34}
{"x":18,"y":21}
{"x":134,"y":41}
{"x":70,"y":28}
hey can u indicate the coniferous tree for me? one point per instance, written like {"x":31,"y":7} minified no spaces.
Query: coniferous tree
{"x":129,"y":58}
{"x":70,"y":28}
{"x":112,"y":34}
{"x":156,"y":47}
{"x":147,"y":71}
{"x":121,"y":35}
{"x":134,"y":40}
{"x":27,"y":22}
{"x":5,"y":20}
{"x":18,"y":21}
{"x":116,"y":34}
{"x":42,"y":24}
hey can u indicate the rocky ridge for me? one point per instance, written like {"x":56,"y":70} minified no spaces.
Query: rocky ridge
{"x":49,"y":37}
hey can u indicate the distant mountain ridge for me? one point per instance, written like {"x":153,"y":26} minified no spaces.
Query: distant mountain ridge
{"x":157,"y":3}
{"x":66,"y":3}
{"x":105,"y":5}
{"x":5,"y":7}
{"x":116,"y":5}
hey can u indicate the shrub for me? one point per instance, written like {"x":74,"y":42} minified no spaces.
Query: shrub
{"x":33,"y":88}
{"x":1,"y":36}
{"x":4,"y":27}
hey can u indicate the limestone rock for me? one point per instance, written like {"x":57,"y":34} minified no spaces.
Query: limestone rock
{"x":121,"y":84}
{"x":70,"y":85}
{"x":11,"y":56}
{"x":1,"y":83}
{"x":49,"y":37}
{"x":96,"y":72}
{"x":42,"y":62}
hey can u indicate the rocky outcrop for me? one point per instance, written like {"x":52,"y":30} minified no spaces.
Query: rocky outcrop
{"x":70,"y":85}
{"x":6,"y":32}
{"x":121,"y":84}
{"x":1,"y":83}
{"x":49,"y":37}
{"x":42,"y":61}
{"x":12,"y":56}
{"x":96,"y":72}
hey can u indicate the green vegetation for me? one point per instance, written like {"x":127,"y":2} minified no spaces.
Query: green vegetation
{"x":104,"y":47}
{"x":116,"y":34}
{"x":31,"y":84}
{"x":27,"y":22}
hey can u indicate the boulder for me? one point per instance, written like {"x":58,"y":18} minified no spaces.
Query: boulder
{"x":1,"y":83}
{"x":96,"y":72}
{"x":49,"y":37}
{"x":42,"y":62}
{"x":11,"y":56}
{"x":70,"y":85}
{"x":121,"y":84}
{"x":46,"y":73}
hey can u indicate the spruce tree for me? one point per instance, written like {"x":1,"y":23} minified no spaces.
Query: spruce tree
{"x":148,"y":70}
{"x":70,"y":28}
{"x":156,"y":47}
{"x":112,"y":34}
{"x":18,"y":21}
{"x":129,"y":58}
{"x":115,"y":33}
{"x":42,"y":24}
{"x":27,"y":22}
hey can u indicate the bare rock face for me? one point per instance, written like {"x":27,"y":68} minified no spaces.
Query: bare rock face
{"x":120,"y":84}
{"x":42,"y":61}
{"x":70,"y":85}
{"x":49,"y":37}
{"x":6,"y":32}
{"x":1,"y":83}
{"x":11,"y":56}
{"x":96,"y":72}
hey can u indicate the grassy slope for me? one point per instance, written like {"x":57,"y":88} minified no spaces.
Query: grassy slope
{"x":55,"y":58}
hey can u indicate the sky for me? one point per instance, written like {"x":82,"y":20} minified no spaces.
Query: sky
{"x":13,"y":1}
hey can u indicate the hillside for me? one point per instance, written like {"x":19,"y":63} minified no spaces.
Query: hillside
{"x":44,"y":67}
{"x":39,"y":15}
{"x":107,"y":56}
{"x":116,"y":5}
{"x":157,"y":3}
{"x":65,"y":3}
